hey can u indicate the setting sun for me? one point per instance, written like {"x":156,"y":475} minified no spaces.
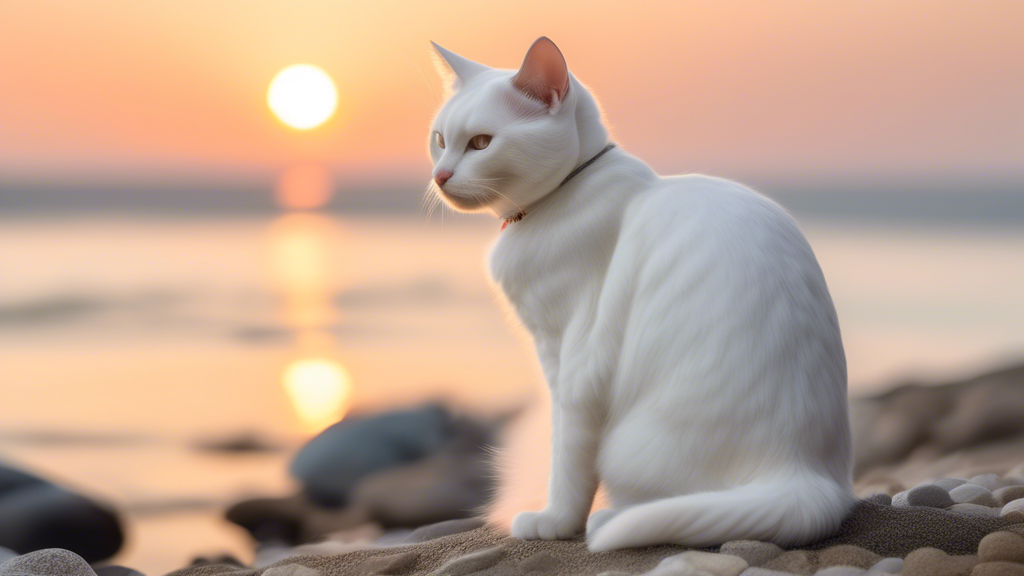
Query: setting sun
{"x":319,"y":390}
{"x":302,"y":96}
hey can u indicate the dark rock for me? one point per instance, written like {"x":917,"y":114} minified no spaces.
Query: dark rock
{"x":292,"y":520}
{"x":332,"y":463}
{"x":929,"y":495}
{"x":245,"y":443}
{"x":222,"y":559}
{"x":115,"y":570}
{"x":37,"y":515}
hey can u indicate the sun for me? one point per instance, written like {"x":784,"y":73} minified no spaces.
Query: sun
{"x":302,"y":96}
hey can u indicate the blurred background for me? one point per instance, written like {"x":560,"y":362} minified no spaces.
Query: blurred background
{"x":184,"y":267}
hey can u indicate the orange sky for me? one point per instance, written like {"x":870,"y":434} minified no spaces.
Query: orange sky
{"x":777,"y":88}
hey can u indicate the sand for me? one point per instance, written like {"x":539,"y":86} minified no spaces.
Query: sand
{"x":871,"y":533}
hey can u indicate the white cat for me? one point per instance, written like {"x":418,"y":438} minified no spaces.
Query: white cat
{"x":684,"y":327}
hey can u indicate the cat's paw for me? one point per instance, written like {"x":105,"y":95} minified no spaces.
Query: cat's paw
{"x":546,"y":525}
{"x":598,"y":519}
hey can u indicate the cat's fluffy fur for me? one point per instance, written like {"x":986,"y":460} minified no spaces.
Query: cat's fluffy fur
{"x":683,"y":325}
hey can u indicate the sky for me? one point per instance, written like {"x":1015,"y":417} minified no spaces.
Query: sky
{"x":95,"y":88}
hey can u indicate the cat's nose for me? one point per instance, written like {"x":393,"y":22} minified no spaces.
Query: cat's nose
{"x":442,"y":177}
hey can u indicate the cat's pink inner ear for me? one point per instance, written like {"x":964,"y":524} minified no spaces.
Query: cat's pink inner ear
{"x":543,"y":74}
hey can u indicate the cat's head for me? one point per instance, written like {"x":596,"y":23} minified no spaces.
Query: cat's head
{"x":506,"y":138}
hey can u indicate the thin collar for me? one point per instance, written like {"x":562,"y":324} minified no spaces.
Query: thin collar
{"x":580,"y":168}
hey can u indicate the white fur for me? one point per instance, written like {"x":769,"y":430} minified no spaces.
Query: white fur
{"x":684,"y":327}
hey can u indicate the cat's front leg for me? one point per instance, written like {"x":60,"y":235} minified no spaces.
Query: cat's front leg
{"x":573,"y":479}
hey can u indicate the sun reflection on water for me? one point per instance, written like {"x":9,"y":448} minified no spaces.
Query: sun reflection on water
{"x":303,"y":268}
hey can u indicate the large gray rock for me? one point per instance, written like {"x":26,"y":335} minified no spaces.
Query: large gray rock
{"x":49,"y":562}
{"x":331,"y":464}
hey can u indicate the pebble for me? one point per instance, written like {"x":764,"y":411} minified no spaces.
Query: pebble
{"x":753,"y":552}
{"x":934,"y":562}
{"x":1001,"y":546}
{"x":998,"y":569}
{"x":697,"y":563}
{"x":975,"y":510}
{"x":798,"y":561}
{"x":840,"y":571}
{"x":474,"y":562}
{"x":948,"y":484}
{"x":6,"y":554}
{"x":539,"y":562}
{"x":48,"y":562}
{"x":972,"y":494}
{"x":929,"y":495}
{"x":1014,"y":506}
{"x":990,"y":481}
{"x":887,"y":566}
{"x":900,"y":499}
{"x":847,"y":555}
{"x":1008,"y":494}
{"x":291,"y":570}
{"x":753,"y":571}
{"x":880,"y":499}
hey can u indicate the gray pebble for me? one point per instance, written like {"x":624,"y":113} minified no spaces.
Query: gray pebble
{"x":754,"y":571}
{"x":990,"y":481}
{"x":975,"y":510}
{"x":1013,"y":506}
{"x":840,"y":571}
{"x":880,"y":499}
{"x":48,"y":562}
{"x":887,"y":566}
{"x":753,"y":551}
{"x":929,"y":495}
{"x":948,"y":484}
{"x":900,"y":499}
{"x":6,"y":554}
{"x":473,"y":562}
{"x":1008,"y":494}
{"x":972,"y":494}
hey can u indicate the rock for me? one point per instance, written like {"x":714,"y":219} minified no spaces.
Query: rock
{"x":975,"y":510}
{"x":1011,"y":507}
{"x":294,"y":519}
{"x":989,"y":481}
{"x":948,"y":484}
{"x":880,"y":499}
{"x":6,"y":554}
{"x":1007,"y":494}
{"x":753,"y":571}
{"x":886,"y":566}
{"x":542,"y":562}
{"x":841,"y":571}
{"x":473,"y":562}
{"x":695,"y":563}
{"x":1001,"y":547}
{"x":114,"y":570}
{"x":331,"y":464}
{"x":38,"y":515}
{"x":900,"y":499}
{"x":929,"y":495}
{"x":48,"y":562}
{"x":846,"y":555}
{"x":439,"y":529}
{"x":972,"y":494}
{"x":798,"y":561}
{"x":291,"y":570}
{"x":444,"y":486}
{"x":244,"y":443}
{"x":753,"y":552}
{"x":933,"y":562}
{"x":998,"y":569}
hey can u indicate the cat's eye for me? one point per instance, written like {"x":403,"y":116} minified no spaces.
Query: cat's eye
{"x":479,"y":142}
{"x":440,"y":140}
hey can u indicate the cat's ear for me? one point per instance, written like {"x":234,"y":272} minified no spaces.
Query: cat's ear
{"x":454,"y":69}
{"x":544,"y":75}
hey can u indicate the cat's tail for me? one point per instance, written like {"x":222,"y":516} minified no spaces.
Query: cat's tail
{"x":798,"y":511}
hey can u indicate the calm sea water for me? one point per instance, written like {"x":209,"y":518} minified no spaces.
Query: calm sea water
{"x":126,"y":340}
